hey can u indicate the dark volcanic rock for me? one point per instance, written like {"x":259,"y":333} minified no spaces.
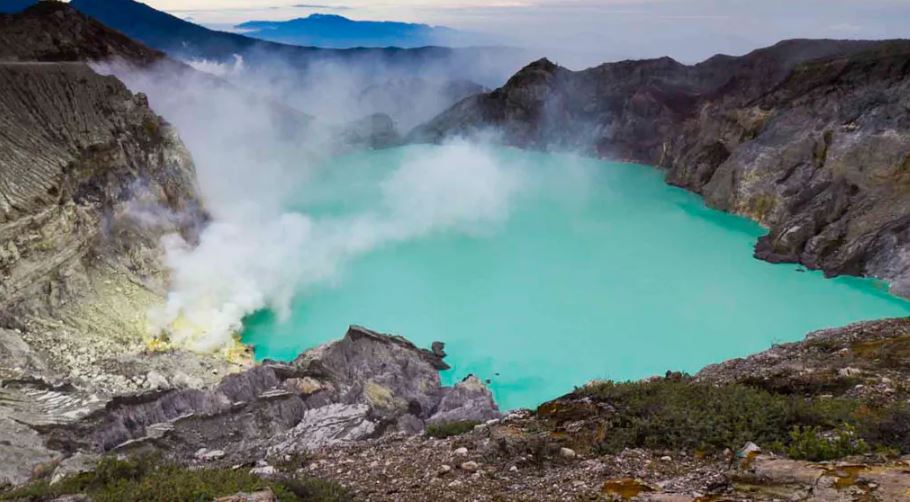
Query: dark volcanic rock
{"x":811,"y":138}
{"x":53,"y":31}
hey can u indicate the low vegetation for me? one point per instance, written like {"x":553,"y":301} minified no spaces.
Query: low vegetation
{"x":443,"y":430}
{"x":150,"y":479}
{"x":679,"y":414}
{"x":811,"y":443}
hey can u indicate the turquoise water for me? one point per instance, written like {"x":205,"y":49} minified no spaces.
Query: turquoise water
{"x":601,"y":270}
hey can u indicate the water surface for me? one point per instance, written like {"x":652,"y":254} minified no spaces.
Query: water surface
{"x":600,"y":271}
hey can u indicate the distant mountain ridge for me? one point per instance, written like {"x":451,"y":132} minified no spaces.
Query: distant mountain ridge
{"x":334,"y":31}
{"x":182,"y":39}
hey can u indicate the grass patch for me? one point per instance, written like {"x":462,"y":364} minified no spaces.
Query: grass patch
{"x":441,"y":430}
{"x":668,"y":414}
{"x":149,"y":479}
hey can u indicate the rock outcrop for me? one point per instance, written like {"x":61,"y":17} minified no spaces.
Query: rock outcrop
{"x":810,"y":138}
{"x":364,"y":385}
{"x":868,"y":361}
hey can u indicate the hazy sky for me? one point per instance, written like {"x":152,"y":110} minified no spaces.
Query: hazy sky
{"x":688,"y":30}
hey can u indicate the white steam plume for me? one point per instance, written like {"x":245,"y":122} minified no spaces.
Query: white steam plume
{"x":254,"y":157}
{"x":249,"y":263}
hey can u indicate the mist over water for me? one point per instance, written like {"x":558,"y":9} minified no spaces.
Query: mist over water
{"x":254,"y":155}
{"x":588,"y":270}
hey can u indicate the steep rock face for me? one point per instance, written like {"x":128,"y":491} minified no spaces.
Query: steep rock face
{"x":810,"y":138}
{"x":91,"y":180}
{"x":80,"y":153}
{"x":821,"y":160}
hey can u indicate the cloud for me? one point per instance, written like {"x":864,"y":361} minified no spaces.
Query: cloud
{"x":321,"y":7}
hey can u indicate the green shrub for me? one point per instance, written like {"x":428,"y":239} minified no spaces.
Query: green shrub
{"x":887,"y":428}
{"x":442,"y":430}
{"x":151,"y":480}
{"x":316,"y":490}
{"x":809,"y":443}
{"x":679,"y":414}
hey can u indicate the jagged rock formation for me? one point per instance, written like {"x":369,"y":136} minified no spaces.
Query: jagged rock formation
{"x":90,"y":180}
{"x":361,"y":386}
{"x":811,"y":138}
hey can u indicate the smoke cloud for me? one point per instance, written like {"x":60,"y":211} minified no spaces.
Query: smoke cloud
{"x":250,"y":261}
{"x":255,"y":159}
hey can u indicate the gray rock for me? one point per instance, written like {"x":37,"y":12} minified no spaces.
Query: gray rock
{"x":809,"y":137}
{"x":410,"y":424}
{"x":206,"y":455}
{"x":469,"y":466}
{"x":467,"y":400}
{"x":327,"y":425}
{"x":358,"y":387}
{"x":266,"y":471}
{"x":78,"y":463}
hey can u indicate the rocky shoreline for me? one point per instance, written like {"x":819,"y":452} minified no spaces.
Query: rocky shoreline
{"x":556,"y":451}
{"x":368,"y":413}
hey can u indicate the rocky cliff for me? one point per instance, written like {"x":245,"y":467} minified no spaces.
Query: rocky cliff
{"x":91,"y":179}
{"x":810,"y":138}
